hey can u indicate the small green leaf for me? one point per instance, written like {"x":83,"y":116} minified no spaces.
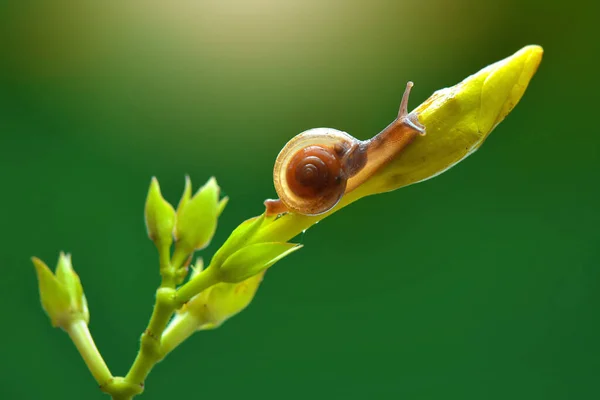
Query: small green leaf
{"x":252,"y":259}
{"x":238,"y":238}
{"x":197,"y":217}
{"x":160,"y":216}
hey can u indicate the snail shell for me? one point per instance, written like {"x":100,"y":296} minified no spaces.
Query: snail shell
{"x":312,"y":170}
{"x":317,"y":167}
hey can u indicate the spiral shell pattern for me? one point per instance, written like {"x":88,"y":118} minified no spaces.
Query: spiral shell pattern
{"x":309,"y":173}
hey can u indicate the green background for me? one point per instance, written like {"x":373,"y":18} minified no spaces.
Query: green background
{"x":483,"y":283}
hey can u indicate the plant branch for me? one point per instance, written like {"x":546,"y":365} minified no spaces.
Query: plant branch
{"x":149,"y":353}
{"x":202,"y":281}
{"x":167,"y":301}
{"x":178,"y":331}
{"x":81,"y":337}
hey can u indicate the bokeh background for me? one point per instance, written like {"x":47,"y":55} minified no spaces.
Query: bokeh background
{"x":483,"y":283}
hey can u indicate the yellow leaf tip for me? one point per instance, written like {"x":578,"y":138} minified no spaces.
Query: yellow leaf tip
{"x":531,"y":57}
{"x":38,"y":263}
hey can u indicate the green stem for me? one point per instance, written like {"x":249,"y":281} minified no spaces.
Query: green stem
{"x":81,"y":337}
{"x":178,"y":330}
{"x":119,"y":389}
{"x":180,"y":255}
{"x":167,"y":301}
{"x":202,"y":281}
{"x":149,"y":353}
{"x":168,"y":269}
{"x":164,"y":258}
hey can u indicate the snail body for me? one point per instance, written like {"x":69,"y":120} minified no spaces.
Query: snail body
{"x":317,"y":167}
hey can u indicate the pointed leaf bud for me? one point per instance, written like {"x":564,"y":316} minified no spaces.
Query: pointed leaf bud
{"x":72,"y":284}
{"x":54,"y":297}
{"x":239,"y":238}
{"x":458,"y":120}
{"x":222,"y":301}
{"x":61,"y":294}
{"x":197,"y":217}
{"x":253,"y":259}
{"x":209,"y":309}
{"x":160,"y":217}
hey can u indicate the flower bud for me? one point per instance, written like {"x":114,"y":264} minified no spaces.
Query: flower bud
{"x":222,"y":301}
{"x":197,"y":216}
{"x":61,"y":294}
{"x":458,"y":120}
{"x":160,"y":217}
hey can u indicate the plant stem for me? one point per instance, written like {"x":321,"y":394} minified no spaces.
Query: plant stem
{"x":164,"y":258}
{"x":120,"y":389}
{"x":178,"y":330}
{"x":149,"y":353}
{"x":164,"y":306}
{"x":81,"y":337}
{"x":202,"y":281}
{"x":180,"y":255}
{"x":167,"y":301}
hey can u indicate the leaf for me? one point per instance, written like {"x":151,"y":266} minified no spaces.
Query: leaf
{"x":239,"y":238}
{"x":253,"y":259}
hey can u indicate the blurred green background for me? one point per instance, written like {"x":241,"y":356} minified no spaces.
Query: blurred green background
{"x":482,"y":283}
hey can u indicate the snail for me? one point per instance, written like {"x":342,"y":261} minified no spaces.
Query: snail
{"x":317,"y":167}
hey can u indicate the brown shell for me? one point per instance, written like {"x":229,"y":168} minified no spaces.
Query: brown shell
{"x":310,"y":172}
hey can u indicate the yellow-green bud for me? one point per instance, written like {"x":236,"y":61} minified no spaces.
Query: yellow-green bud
{"x":240,"y":237}
{"x":197,"y":216}
{"x":160,"y":217}
{"x":222,"y":301}
{"x":61,"y":294}
{"x":458,"y":119}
